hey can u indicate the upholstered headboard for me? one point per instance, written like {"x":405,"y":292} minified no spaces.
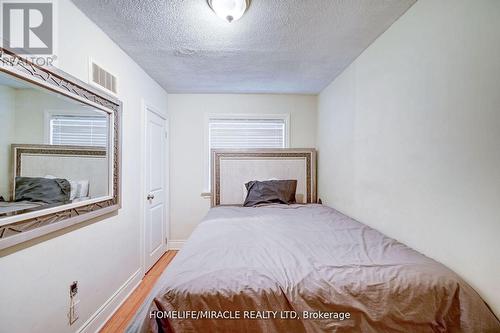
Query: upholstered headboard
{"x":231,"y":169}
{"x":69,"y":162}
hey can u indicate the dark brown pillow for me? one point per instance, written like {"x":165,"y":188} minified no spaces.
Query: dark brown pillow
{"x":270,"y":191}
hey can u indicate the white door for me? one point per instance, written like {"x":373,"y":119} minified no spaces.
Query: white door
{"x":156,"y":188}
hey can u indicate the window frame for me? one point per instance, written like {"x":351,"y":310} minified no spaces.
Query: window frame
{"x":285,"y":117}
{"x":50,"y":114}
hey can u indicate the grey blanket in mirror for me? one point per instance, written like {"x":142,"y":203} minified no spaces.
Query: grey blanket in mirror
{"x":49,"y":191}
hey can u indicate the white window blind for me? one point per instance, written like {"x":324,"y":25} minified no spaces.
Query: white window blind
{"x":247,"y":133}
{"x":79,"y":130}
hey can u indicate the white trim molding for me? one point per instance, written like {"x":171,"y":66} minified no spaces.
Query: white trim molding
{"x":96,"y":322}
{"x":175,"y":244}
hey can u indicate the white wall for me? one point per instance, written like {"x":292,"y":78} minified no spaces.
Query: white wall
{"x":7,"y":102}
{"x":187,"y":146}
{"x":31,"y":106}
{"x":35,"y":277}
{"x":409,"y":137}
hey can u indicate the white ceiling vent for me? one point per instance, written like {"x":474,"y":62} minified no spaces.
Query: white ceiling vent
{"x":103,"y":78}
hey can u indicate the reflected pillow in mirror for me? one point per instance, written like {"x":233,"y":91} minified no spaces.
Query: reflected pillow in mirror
{"x":79,"y":189}
{"x":49,"y":191}
{"x":270,"y":191}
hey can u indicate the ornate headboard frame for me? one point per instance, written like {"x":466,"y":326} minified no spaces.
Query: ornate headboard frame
{"x":20,"y":150}
{"x":306,"y":156}
{"x":23,"y":227}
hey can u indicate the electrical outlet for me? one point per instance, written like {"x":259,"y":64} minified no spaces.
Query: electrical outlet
{"x":74,"y":312}
{"x":73,"y":289}
{"x":74,"y":303}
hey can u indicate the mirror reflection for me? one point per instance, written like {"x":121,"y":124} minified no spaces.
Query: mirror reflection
{"x":53,"y":150}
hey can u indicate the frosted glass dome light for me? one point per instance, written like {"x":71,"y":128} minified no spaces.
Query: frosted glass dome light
{"x":229,"y":10}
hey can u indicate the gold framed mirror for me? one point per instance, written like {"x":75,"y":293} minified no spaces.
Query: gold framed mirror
{"x":59,"y":150}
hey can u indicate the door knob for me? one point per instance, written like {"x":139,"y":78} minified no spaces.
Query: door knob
{"x":151,"y":196}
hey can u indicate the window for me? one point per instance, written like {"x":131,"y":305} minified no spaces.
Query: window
{"x":78,"y":130}
{"x":245,"y":132}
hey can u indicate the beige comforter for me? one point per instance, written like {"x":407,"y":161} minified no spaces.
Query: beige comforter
{"x":302,"y":262}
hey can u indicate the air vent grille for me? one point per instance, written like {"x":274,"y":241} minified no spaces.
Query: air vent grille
{"x":104,"y":78}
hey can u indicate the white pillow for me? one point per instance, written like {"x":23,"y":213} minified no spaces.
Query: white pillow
{"x":79,"y":189}
{"x":72,"y":195}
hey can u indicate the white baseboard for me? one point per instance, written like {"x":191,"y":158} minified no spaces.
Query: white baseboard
{"x":102,"y":315}
{"x":175,"y":244}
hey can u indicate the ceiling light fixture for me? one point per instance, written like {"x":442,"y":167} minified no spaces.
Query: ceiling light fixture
{"x":229,"y":10}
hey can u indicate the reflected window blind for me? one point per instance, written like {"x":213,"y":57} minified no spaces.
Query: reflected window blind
{"x":79,"y":130}
{"x":246,"y":133}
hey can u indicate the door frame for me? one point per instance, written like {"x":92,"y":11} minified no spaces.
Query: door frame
{"x":145,"y":108}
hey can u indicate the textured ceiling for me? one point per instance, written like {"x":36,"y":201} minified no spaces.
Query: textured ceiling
{"x":279,"y":46}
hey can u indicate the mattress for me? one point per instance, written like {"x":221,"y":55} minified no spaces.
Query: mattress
{"x":16,"y":207}
{"x":305,"y":268}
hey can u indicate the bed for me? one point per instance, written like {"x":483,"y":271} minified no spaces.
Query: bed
{"x":12,"y":208}
{"x":303,"y":268}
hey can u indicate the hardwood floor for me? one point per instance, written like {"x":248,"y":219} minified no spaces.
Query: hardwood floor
{"x":122,"y":317}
